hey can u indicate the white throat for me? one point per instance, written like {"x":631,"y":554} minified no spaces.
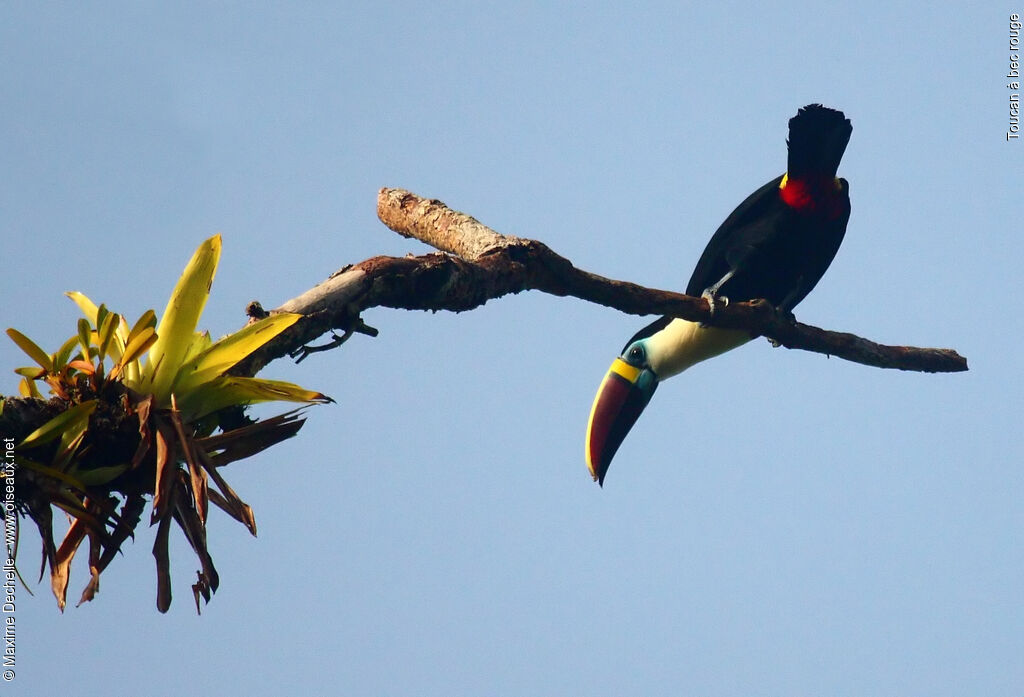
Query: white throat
{"x":682,"y":344}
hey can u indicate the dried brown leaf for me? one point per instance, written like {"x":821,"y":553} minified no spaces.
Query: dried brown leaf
{"x":142,"y":409}
{"x":131,"y":513}
{"x":241,"y":511}
{"x":198,"y":486}
{"x":93,"y":587}
{"x":165,"y":468}
{"x":43,"y":516}
{"x":201,"y":588}
{"x":163,"y":565}
{"x":195,"y":532}
{"x":223,"y":504}
{"x":246,"y":441}
{"x":200,"y":490}
{"x":61,"y":571}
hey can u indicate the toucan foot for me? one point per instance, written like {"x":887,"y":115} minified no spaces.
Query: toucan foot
{"x":712,"y":298}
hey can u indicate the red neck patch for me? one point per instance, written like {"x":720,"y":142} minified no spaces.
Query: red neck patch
{"x":812,"y":195}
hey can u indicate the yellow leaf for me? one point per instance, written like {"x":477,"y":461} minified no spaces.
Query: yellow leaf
{"x":200,"y":342}
{"x":31,"y":372}
{"x":116,"y":347}
{"x":27,"y":388}
{"x":139,"y":344}
{"x":233,"y":391}
{"x":179,"y":320}
{"x":224,"y":354}
{"x":131,"y":367}
{"x":72,"y":420}
{"x":32,"y":349}
{"x":88,"y":307}
{"x":148,"y":319}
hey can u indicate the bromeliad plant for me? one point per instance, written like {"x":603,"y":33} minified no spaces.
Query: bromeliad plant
{"x":157,"y":423}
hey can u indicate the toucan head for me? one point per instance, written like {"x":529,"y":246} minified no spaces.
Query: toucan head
{"x":621,"y":398}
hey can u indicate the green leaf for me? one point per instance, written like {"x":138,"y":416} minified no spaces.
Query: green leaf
{"x":101,"y":317}
{"x":224,"y":354}
{"x":69,"y":442}
{"x":60,"y":359}
{"x":99,"y":475}
{"x":84,"y":336}
{"x":72,"y":420}
{"x":106,"y":332}
{"x":120,"y":338}
{"x":32,"y":349}
{"x":179,"y":320}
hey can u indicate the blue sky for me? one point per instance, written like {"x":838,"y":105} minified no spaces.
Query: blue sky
{"x":776,"y":523}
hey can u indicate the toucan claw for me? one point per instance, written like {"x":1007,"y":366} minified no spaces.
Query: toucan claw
{"x":709,"y":295}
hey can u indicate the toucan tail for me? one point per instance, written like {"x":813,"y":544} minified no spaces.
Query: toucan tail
{"x":817,"y":140}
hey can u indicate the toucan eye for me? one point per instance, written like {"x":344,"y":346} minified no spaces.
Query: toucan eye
{"x":636,"y":355}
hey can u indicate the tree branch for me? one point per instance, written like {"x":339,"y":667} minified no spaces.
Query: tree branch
{"x":481,"y":264}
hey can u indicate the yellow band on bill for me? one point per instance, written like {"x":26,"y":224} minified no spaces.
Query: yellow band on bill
{"x":620,"y":367}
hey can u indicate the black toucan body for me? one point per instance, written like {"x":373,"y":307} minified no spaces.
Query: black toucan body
{"x":776,"y":245}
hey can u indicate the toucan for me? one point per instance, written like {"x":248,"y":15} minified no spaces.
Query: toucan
{"x":775,"y":246}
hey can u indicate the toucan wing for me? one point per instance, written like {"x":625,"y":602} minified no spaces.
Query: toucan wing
{"x":750,"y":229}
